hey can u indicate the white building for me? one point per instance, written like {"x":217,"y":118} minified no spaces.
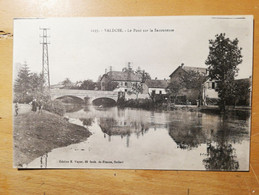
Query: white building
{"x":155,"y":87}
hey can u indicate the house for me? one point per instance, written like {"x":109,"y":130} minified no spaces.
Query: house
{"x":124,"y":81}
{"x":209,"y":92}
{"x":155,"y":87}
{"x":59,"y":85}
{"x":190,"y":94}
{"x":182,"y":69}
{"x":242,"y":88}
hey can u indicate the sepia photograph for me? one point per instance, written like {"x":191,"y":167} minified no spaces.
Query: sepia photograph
{"x":161,"y":92}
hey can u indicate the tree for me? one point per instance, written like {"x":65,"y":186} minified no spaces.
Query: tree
{"x":143,"y":75}
{"x":27,"y":85}
{"x":22,"y":85}
{"x":88,"y":85}
{"x":111,"y":85}
{"x":242,"y":92}
{"x":36,"y":82}
{"x":137,"y":88}
{"x":174,"y":89}
{"x":223,"y":59}
{"x":190,"y":80}
{"x":67,"y":83}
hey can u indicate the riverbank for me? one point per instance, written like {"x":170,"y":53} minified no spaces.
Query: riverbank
{"x":36,"y":134}
{"x":148,"y":104}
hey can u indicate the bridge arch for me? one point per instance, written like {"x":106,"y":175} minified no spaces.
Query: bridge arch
{"x":70,"y":99}
{"x":104,"y":101}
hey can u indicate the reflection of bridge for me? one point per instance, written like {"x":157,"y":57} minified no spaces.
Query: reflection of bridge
{"x":82,"y":94}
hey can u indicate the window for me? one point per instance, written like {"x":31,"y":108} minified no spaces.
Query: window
{"x":160,"y":92}
{"x":213,"y":85}
{"x":126,"y":84}
{"x":153,"y":92}
{"x":125,"y":90}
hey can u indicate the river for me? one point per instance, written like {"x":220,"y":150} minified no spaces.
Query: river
{"x":140,"y":139}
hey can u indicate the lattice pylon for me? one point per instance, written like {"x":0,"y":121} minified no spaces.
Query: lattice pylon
{"x":45,"y":57}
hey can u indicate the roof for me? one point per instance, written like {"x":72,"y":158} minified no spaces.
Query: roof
{"x":190,"y":68}
{"x":156,"y":83}
{"x":196,"y":69}
{"x":123,"y":76}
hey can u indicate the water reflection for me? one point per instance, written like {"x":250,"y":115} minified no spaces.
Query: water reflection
{"x":221,"y":157}
{"x":44,"y":161}
{"x":70,"y":107}
{"x":190,"y":130}
{"x":122,"y":128}
{"x":87,"y":121}
{"x":166,"y":139}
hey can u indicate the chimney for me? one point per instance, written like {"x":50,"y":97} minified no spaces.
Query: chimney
{"x":182,"y":64}
{"x":105,"y":70}
{"x":156,"y":78}
{"x":128,"y":65}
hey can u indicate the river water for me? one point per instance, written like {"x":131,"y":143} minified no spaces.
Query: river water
{"x":139,"y":139}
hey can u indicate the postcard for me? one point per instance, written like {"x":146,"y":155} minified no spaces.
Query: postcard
{"x":166,"y":93}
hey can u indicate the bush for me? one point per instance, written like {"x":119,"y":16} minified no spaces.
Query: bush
{"x":23,"y":99}
{"x":55,"y":106}
{"x":137,"y":103}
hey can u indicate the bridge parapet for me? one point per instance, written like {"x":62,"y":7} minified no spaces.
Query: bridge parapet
{"x":92,"y":94}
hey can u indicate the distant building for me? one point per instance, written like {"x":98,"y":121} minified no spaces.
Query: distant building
{"x":125,"y":80}
{"x":210,"y":92}
{"x":187,"y":95}
{"x":155,"y":87}
{"x":59,"y":85}
{"x":184,"y":70}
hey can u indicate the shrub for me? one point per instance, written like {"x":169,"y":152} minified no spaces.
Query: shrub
{"x":138,"y":103}
{"x":55,"y":106}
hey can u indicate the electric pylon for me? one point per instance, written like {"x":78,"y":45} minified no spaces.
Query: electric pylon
{"x":45,"y":58}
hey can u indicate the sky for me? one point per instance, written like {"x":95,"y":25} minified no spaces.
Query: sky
{"x":82,"y":48}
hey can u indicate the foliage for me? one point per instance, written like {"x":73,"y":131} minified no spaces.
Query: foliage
{"x":137,"y":88}
{"x":88,"y":85}
{"x":221,"y":157}
{"x":189,"y":80}
{"x":110,"y":85}
{"x":174,"y":88}
{"x":242,"y":92}
{"x":223,"y":59}
{"x":137,"y":103}
{"x":144,"y":75}
{"x":55,"y":106}
{"x":27,"y":85}
{"x":141,"y":73}
{"x":67,"y":83}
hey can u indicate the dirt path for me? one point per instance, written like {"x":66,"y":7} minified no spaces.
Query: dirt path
{"x":22,"y":108}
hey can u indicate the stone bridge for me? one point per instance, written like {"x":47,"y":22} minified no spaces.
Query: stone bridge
{"x":82,"y":94}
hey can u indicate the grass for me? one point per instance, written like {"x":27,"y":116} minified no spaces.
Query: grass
{"x":37,"y":134}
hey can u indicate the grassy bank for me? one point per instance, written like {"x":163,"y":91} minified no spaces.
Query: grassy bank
{"x":36,"y":134}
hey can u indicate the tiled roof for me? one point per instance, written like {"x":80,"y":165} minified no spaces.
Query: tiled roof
{"x":190,"y":68}
{"x":196,"y":69}
{"x":156,"y":83}
{"x":123,"y":76}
